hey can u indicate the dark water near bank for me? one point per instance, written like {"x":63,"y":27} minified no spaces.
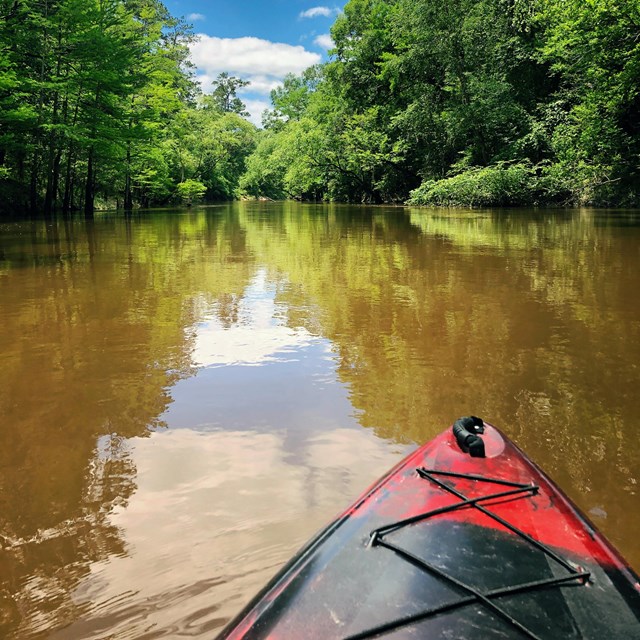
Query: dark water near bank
{"x":186,"y":397}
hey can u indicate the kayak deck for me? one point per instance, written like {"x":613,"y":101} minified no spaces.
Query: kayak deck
{"x":447,"y":545}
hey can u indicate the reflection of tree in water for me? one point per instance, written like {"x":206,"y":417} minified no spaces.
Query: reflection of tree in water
{"x":526,"y":321}
{"x":48,"y":565}
{"x":97,"y":334}
{"x":227,"y":309}
{"x":523,"y":318}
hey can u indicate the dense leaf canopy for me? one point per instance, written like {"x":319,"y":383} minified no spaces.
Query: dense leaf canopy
{"x":493,"y":102}
{"x":99,"y":108}
{"x":487,"y":102}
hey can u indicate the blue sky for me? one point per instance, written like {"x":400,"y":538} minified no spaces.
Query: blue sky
{"x":257,"y":40}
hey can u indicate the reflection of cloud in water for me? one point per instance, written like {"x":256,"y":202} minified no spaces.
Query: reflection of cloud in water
{"x":257,"y":335}
{"x":226,"y":509}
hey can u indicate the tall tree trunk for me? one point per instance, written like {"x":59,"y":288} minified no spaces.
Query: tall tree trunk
{"x":35,"y":166}
{"x":128,"y":195}
{"x":54,"y":152}
{"x":33,"y":184}
{"x":52,"y":185}
{"x":67,"y":200}
{"x":89,"y":189}
{"x":56,"y":179}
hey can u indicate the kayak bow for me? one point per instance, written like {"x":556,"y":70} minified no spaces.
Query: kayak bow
{"x":466,"y":538}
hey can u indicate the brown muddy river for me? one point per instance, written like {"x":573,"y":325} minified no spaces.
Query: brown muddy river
{"x":187,"y":396}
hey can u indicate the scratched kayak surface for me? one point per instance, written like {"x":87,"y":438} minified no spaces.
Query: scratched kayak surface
{"x":454,"y":542}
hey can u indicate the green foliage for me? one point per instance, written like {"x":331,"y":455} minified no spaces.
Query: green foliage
{"x":479,"y":101}
{"x":224,"y":98}
{"x":266,"y":167}
{"x":467,"y":101}
{"x":291,"y":100}
{"x":97,"y":104}
{"x":594,"y":48}
{"x":286,"y":163}
{"x":211,"y":146}
{"x":191,"y":191}
{"x":496,"y":186}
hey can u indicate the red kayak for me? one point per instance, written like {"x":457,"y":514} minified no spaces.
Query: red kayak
{"x":464,"y":539}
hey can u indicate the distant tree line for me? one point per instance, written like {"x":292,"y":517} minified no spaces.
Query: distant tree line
{"x":464,"y":102}
{"x":99,"y":107}
{"x":467,"y":102}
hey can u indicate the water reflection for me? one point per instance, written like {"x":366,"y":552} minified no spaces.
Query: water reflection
{"x":213,"y":517}
{"x":249,"y":330}
{"x":187,"y":396}
{"x":93,"y":339}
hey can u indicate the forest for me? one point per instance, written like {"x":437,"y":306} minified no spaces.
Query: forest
{"x":470,"y":103}
{"x":99,"y":108}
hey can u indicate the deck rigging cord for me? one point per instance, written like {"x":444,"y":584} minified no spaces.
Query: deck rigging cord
{"x":378,"y":538}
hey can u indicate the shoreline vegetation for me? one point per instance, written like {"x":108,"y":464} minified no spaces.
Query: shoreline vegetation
{"x":472,"y":103}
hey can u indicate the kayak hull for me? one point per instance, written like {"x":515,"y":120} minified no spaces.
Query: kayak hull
{"x":447,"y":545}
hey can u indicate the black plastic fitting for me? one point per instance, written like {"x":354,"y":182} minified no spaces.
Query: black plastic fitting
{"x":467,"y":431}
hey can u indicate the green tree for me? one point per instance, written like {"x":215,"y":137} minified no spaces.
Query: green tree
{"x":163,"y":86}
{"x":290,"y":101}
{"x":210,"y":146}
{"x":191,"y":190}
{"x":265,"y":169}
{"x":225,"y":88}
{"x":86,"y":87}
{"x":594,"y":48}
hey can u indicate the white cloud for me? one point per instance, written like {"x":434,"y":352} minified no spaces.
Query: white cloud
{"x":255,"y":109}
{"x":250,"y":57}
{"x":325,"y":41}
{"x":260,"y":336}
{"x":316,"y":12}
{"x":263,"y":63}
{"x":194,"y":17}
{"x":205,"y":81}
{"x":261,"y":84}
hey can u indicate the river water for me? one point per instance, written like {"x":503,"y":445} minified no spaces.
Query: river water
{"x":187,"y":396}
